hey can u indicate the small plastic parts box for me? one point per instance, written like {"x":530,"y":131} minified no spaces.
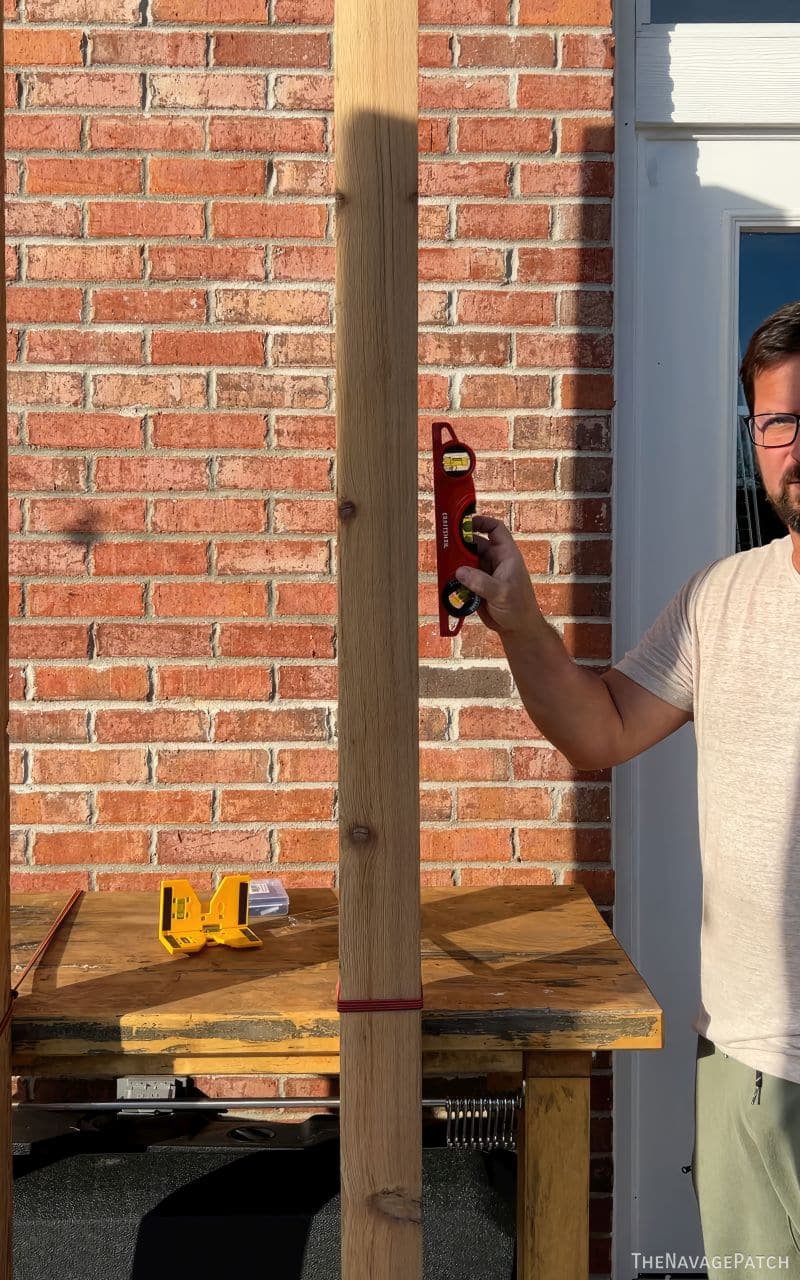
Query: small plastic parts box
{"x":267,"y":898}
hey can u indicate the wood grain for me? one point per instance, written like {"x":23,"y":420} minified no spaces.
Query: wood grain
{"x":504,"y":969}
{"x":376,"y":421}
{"x":553,"y":1171}
{"x":503,"y":1067}
{"x":5,"y":818}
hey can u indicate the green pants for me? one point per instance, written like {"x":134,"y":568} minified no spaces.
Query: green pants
{"x":746,"y":1167}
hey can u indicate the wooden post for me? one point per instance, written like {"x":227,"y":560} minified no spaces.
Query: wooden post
{"x":553,"y":1168}
{"x":376,"y":419}
{"x":5,"y":817}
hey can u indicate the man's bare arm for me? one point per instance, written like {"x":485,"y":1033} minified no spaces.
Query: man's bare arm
{"x":596,"y":721}
{"x":645,"y":718}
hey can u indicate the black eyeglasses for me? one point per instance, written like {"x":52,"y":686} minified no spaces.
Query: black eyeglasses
{"x":773,"y":430}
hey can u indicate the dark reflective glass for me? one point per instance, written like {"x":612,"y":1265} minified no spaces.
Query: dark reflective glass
{"x":769,"y":276}
{"x":723,"y":11}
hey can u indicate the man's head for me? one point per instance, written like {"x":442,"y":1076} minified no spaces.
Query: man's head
{"x":770,"y":376}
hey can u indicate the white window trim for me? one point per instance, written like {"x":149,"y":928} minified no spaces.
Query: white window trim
{"x":702,"y":73}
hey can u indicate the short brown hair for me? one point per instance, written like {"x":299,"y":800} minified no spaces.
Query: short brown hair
{"x":775,"y":338}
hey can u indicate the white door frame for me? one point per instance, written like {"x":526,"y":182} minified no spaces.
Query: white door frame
{"x":689,"y":85}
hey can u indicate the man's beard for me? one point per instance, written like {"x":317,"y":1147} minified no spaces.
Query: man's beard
{"x":786,"y":508}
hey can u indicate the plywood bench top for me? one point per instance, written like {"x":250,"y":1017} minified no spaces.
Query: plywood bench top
{"x":503,"y":968}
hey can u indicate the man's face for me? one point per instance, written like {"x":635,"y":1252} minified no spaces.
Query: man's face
{"x":777,"y":390}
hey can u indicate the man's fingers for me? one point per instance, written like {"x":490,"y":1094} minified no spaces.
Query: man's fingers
{"x":481,"y":583}
{"x":497,"y":532}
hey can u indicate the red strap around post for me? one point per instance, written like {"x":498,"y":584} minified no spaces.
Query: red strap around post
{"x":377,"y":1006}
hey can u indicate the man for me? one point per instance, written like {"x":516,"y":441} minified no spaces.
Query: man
{"x":722,"y":653}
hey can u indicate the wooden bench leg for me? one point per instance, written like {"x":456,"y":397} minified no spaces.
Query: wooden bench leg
{"x":553,"y":1168}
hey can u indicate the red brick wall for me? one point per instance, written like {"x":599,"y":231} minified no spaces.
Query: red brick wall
{"x":170,"y":258}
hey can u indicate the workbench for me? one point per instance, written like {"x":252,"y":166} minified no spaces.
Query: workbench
{"x":521,"y":982}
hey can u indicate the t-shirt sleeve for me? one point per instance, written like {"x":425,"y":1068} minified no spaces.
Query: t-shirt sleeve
{"x":663,"y":660}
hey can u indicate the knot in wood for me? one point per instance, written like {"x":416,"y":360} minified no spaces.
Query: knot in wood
{"x":347,"y":509}
{"x":360,"y":834}
{"x":393,"y":1202}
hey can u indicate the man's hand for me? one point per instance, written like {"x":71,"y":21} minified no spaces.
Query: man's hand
{"x":509,"y":603}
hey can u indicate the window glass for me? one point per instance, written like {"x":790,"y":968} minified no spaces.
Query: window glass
{"x":724,"y":11}
{"x":769,"y":276}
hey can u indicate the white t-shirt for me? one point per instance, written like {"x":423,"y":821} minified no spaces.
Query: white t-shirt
{"x":725,"y":648}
